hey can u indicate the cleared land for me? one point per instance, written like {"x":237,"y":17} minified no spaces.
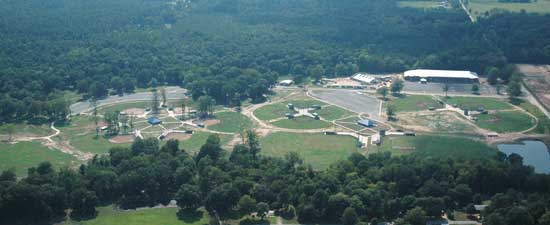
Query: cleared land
{"x":233,"y":122}
{"x":436,"y":146}
{"x":302,"y":123}
{"x":537,"y":80}
{"x":474,"y":103}
{"x":438,"y":122}
{"x":319,"y":150}
{"x":28,"y":130}
{"x":543,"y":127}
{"x":24,"y":155}
{"x":198,"y":139}
{"x":162,"y":216}
{"x":408,"y":103}
{"x":479,"y":7}
{"x":506,"y":121}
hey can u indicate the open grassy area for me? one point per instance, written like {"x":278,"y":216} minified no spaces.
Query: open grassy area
{"x":301,"y":122}
{"x":198,"y":139}
{"x":319,"y":150}
{"x":409,"y":103}
{"x":543,"y":127}
{"x":474,"y":103}
{"x":231,"y":122}
{"x":436,"y":146}
{"x":304,"y":102}
{"x":419,"y":4}
{"x":272,"y":111}
{"x":124,"y":105}
{"x":91,"y":143}
{"x":166,"y":216}
{"x":333,"y":112}
{"x":24,"y":155}
{"x":506,"y":121}
{"x":479,"y":7}
{"x":437,"y":122}
{"x":28,"y":130}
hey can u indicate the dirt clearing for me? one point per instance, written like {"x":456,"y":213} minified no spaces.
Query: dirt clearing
{"x":178,"y":136}
{"x":122,"y":139}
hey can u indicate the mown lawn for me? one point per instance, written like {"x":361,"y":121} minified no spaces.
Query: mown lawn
{"x":124,"y":105}
{"x":302,"y":122}
{"x":507,"y":121}
{"x":333,"y":112}
{"x":233,"y":122}
{"x":198,"y":139}
{"x":24,"y":155}
{"x":319,"y":150}
{"x":410,"y":103}
{"x":28,"y":130}
{"x":165,"y":216}
{"x":272,"y":111}
{"x":474,"y":103}
{"x":436,"y":146}
{"x":90,"y":143}
{"x":543,"y":127}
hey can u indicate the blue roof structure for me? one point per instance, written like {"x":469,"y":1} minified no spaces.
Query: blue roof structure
{"x":154,"y":121}
{"x":366,"y":123}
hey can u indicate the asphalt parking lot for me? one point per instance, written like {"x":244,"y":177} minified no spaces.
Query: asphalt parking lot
{"x":454,"y":88}
{"x":351,"y":100}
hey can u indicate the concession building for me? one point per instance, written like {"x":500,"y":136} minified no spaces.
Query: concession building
{"x":454,"y":76}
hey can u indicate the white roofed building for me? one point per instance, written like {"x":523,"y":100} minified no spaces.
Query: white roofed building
{"x":442,"y":76}
{"x":364,"y":78}
{"x":286,"y":82}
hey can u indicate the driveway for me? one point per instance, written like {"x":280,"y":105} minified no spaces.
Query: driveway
{"x":171,"y":93}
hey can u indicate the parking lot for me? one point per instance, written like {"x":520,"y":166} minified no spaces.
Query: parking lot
{"x":454,"y":88}
{"x":351,"y":100}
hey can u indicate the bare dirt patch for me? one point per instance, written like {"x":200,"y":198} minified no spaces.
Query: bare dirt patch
{"x":211,"y":122}
{"x":537,"y":79}
{"x":134,"y":111}
{"x":122,"y":139}
{"x":178,"y":136}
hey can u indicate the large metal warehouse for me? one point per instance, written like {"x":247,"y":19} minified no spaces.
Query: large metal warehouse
{"x":442,"y":76}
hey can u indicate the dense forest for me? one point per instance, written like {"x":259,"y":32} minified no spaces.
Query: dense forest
{"x":233,"y":50}
{"x":407,"y":190}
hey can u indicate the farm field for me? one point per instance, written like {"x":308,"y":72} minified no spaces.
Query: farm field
{"x":479,"y":7}
{"x":24,"y":155}
{"x":436,"y":146}
{"x":161,"y":216}
{"x":409,"y":103}
{"x":319,"y":150}
{"x":302,"y":122}
{"x":474,"y":103}
{"x":419,"y":4}
{"x":231,"y":122}
{"x":506,"y":121}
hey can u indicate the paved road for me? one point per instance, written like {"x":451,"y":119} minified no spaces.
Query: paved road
{"x":351,"y":100}
{"x":171,"y":93}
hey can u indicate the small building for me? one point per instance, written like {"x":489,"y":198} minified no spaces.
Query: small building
{"x":316,"y":116}
{"x":154,"y":121}
{"x":290,"y":106}
{"x":366,"y":123}
{"x":364,"y":78}
{"x":423,"y":81}
{"x":455,"y":76}
{"x":286,"y":82}
{"x":289,"y":115}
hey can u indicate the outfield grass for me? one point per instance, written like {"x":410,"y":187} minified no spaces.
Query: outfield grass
{"x":28,"y":130}
{"x":333,"y":112}
{"x":304,"y":103}
{"x":508,"y":121}
{"x":436,"y":146}
{"x":319,"y":150}
{"x":543,"y":127}
{"x":302,"y":123}
{"x":479,"y":7}
{"x":474,"y":103}
{"x":198,"y":139}
{"x":165,"y":216}
{"x":233,"y":122}
{"x":24,"y":155}
{"x":272,"y":111}
{"x":90,"y":143}
{"x":413,"y":103}
{"x":124,"y":105}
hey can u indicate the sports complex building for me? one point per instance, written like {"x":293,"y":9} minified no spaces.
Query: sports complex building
{"x":454,"y":76}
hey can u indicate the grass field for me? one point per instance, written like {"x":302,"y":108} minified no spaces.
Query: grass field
{"x":90,"y":143}
{"x":24,"y":155}
{"x":419,"y":4}
{"x":231,"y":122}
{"x":506,"y":121}
{"x":479,"y":7}
{"x":272,"y":111}
{"x":439,"y":122}
{"x":435,"y":146}
{"x":543,"y":127}
{"x":333,"y":112}
{"x":124,"y":105}
{"x":319,"y":150}
{"x":302,"y":122}
{"x":474,"y":103}
{"x":304,"y":102}
{"x":166,"y":216}
{"x":29,"y":130}
{"x":198,"y":139}
{"x":413,"y":103}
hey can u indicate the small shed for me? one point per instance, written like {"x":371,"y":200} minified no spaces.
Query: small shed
{"x":290,"y":106}
{"x":316,"y":116}
{"x":366,"y":123}
{"x":154,"y":121}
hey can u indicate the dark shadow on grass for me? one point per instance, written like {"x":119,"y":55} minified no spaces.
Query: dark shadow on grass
{"x":189,"y":215}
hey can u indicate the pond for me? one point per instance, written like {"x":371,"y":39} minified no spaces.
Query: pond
{"x":534,"y":153}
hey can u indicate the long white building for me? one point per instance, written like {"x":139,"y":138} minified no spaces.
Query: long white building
{"x":442,"y":76}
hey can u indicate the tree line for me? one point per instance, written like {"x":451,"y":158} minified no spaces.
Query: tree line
{"x":358,"y":190}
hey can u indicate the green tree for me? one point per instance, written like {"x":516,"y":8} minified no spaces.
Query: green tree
{"x":247,"y":204}
{"x":9,"y":129}
{"x":416,"y":216}
{"x":163,"y":96}
{"x":446,"y":88}
{"x":492,"y":75}
{"x":475,"y":89}
{"x":390,"y":111}
{"x":383,"y":91}
{"x":206,"y":106}
{"x":83,"y":203}
{"x":188,"y":197}
{"x":316,"y":72}
{"x":545,"y":218}
{"x":211,"y":148}
{"x":155,"y":101}
{"x":253,"y":143}
{"x":262,"y":209}
{"x":349,"y":217}
{"x":514,"y":89}
{"x":397,"y":86}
